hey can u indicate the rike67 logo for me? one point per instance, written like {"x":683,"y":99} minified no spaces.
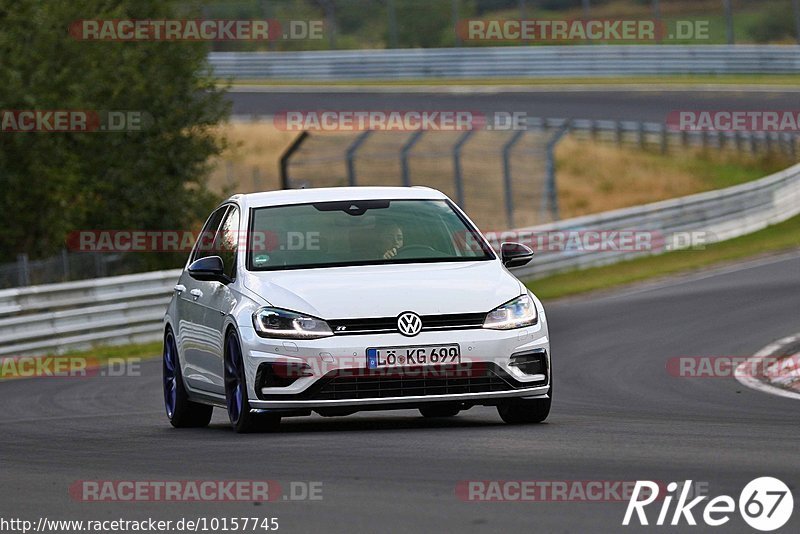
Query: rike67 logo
{"x":765,"y":504}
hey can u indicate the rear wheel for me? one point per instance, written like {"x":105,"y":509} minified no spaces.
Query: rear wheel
{"x":182,"y":412}
{"x":439,"y":410}
{"x":242,"y":418}
{"x":525,"y":411}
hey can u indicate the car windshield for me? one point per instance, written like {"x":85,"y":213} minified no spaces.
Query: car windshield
{"x":361,"y":232}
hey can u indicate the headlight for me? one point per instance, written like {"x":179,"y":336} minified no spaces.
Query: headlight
{"x":275,"y":322}
{"x":514,"y":314}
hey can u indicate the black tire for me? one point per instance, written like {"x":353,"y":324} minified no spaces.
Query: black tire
{"x":243,"y":419}
{"x":181,"y":412}
{"x":439,"y":410}
{"x":525,"y":411}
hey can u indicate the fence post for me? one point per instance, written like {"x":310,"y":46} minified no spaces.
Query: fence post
{"x":454,"y":9}
{"x":23,"y":271}
{"x":618,"y":128}
{"x":330,"y":21}
{"x":551,"y":192}
{"x":351,"y":156}
{"x":796,"y":10}
{"x":641,"y":135}
{"x":287,"y":154}
{"x":459,"y":180}
{"x":99,"y":265}
{"x":729,"y":21}
{"x":65,"y":263}
{"x":404,"y":155}
{"x":229,"y":173}
{"x":664,"y":139}
{"x":391,"y":15}
{"x":507,"y":176}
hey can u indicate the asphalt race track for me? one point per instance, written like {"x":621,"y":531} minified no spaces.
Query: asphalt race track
{"x":617,"y":416}
{"x":613,"y":104}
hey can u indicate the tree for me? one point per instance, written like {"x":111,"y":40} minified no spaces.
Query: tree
{"x":153,"y":179}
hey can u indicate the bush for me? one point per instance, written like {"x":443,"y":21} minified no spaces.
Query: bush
{"x":151,"y":179}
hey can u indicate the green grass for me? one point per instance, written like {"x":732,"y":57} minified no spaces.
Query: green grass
{"x":789,"y":80}
{"x":98,"y":355}
{"x":780,"y":237}
{"x":104,"y":352}
{"x":719,"y":170}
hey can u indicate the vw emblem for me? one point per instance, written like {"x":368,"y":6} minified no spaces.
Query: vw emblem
{"x":409,"y":324}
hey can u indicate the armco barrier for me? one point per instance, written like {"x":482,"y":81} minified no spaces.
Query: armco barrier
{"x":717,"y":215}
{"x":585,"y":61}
{"x":120,"y":309}
{"x":57,"y":317}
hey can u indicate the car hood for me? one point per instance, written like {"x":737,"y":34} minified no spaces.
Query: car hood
{"x":388,"y":290}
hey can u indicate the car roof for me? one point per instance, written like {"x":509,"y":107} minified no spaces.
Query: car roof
{"x":325,"y":194}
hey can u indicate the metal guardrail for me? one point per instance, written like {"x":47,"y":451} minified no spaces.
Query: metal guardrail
{"x":120,"y":309}
{"x":585,"y":61}
{"x":75,"y":315}
{"x":716,"y":215}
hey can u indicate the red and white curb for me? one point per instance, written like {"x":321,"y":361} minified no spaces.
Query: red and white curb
{"x":784,"y":385}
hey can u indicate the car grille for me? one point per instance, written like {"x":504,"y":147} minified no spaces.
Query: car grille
{"x":383,"y":325}
{"x":345,"y":384}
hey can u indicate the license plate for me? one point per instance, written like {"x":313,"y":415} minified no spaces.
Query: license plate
{"x":392,"y":357}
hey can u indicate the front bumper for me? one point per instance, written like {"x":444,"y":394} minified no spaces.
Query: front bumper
{"x":339,"y":376}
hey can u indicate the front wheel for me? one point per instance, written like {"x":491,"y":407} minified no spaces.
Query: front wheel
{"x":243,"y":419}
{"x":525,"y":411}
{"x":182,"y":412}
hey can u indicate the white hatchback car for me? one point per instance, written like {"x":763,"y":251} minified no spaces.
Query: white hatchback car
{"x":345,"y":299}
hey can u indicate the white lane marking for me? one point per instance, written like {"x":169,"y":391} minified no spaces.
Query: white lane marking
{"x":688,"y":278}
{"x":744,"y":377}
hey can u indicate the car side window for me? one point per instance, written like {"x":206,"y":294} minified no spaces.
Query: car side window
{"x":227,"y":241}
{"x":205,"y":242}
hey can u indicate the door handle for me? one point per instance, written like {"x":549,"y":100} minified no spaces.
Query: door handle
{"x":180,"y":288}
{"x":196,"y":293}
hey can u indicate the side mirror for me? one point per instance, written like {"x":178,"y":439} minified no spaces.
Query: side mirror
{"x":208,"y":269}
{"x":515,"y":254}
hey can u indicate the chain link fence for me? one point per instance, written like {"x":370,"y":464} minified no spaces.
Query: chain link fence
{"x":505,"y":179}
{"x":69,"y":266}
{"x":463,"y":165}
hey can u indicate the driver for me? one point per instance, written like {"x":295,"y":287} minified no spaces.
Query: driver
{"x":390,"y":240}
